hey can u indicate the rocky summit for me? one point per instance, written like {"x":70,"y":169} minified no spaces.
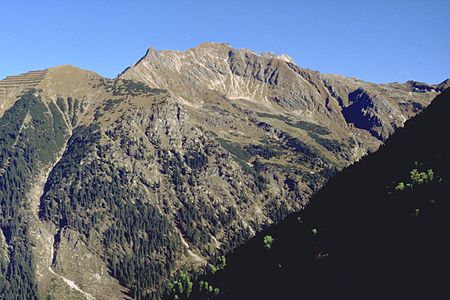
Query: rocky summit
{"x":109,"y":187}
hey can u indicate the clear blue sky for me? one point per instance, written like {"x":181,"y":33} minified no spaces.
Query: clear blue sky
{"x":379,"y":41}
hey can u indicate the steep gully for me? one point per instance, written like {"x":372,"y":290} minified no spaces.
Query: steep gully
{"x":52,"y":243}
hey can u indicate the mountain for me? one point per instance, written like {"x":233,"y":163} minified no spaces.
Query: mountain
{"x":109,"y":187}
{"x":377,"y":230}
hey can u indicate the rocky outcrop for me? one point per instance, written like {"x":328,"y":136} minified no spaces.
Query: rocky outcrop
{"x":369,"y":113}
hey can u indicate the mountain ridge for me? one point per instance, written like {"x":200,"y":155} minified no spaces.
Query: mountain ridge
{"x":179,"y":159}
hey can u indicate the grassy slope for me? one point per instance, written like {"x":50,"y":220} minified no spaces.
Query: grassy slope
{"x":370,"y":244}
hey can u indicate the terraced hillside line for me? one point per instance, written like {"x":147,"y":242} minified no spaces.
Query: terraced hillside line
{"x":26,"y":80}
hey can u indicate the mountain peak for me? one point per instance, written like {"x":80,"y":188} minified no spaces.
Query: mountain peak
{"x":282,"y":56}
{"x":218,"y":67}
{"x":213,"y":49}
{"x":212,"y":45}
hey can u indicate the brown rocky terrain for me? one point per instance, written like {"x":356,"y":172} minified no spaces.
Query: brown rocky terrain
{"x":117,"y":184}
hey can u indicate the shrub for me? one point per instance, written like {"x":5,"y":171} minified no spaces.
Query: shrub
{"x":268,"y":241}
{"x":400,"y":186}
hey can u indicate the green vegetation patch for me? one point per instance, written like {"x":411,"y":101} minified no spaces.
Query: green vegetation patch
{"x":416,"y":178}
{"x":124,"y":87}
{"x":234,"y":148}
{"x":273,"y":116}
{"x":134,"y":88}
{"x":308,"y":155}
{"x":304,"y":125}
{"x":206,"y":288}
{"x":111,"y":103}
{"x":268,"y":241}
{"x":263,"y":150}
{"x":329,"y":144}
{"x":181,"y":287}
{"x":61,"y":104}
{"x":310,"y":127}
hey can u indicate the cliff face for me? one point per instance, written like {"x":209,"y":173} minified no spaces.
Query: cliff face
{"x":109,"y":187}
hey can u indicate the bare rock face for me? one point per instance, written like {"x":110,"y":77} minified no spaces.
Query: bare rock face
{"x":114,"y":185}
{"x":370,"y":112}
{"x":3,"y":248}
{"x":275,"y":84}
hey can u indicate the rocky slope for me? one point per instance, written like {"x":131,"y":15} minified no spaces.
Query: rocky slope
{"x":110,"y":186}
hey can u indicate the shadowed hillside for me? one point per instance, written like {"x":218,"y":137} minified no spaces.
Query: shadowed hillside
{"x":378,"y":230}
